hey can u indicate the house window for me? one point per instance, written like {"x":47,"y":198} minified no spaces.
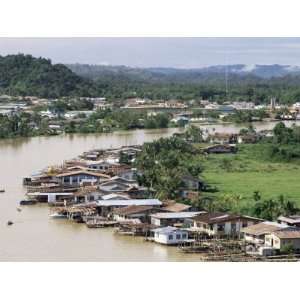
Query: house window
{"x":170,"y":237}
{"x":221,"y":227}
{"x":184,"y":236}
{"x":245,"y":224}
{"x":233,"y":227}
{"x":178,"y":236}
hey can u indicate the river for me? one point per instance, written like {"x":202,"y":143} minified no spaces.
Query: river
{"x":35,"y":237}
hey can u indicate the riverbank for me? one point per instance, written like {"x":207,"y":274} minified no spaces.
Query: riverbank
{"x":35,"y":237}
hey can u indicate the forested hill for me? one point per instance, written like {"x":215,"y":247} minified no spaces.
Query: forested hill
{"x":25,"y":75}
{"x":256,"y":84}
{"x":196,"y":74}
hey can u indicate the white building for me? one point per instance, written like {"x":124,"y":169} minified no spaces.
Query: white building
{"x":284,"y":237}
{"x":222,"y":224}
{"x":171,"y":218}
{"x":255,"y":234}
{"x":170,"y":235}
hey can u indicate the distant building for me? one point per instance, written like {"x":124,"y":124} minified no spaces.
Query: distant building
{"x":272,"y":103}
{"x":216,"y":149}
{"x":247,"y":139}
{"x":222,"y":138}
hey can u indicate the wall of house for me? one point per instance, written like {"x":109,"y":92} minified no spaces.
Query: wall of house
{"x":254,"y":239}
{"x":273,"y":241}
{"x":177,"y":237}
{"x":76,"y":179}
{"x":167,"y":222}
{"x":155,"y":221}
{"x":294,"y":242}
{"x":133,"y":216}
{"x":228,"y":227}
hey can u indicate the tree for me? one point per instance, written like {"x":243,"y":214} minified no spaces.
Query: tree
{"x":194,"y":134}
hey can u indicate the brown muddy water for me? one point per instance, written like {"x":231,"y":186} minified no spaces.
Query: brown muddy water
{"x":36,"y":237}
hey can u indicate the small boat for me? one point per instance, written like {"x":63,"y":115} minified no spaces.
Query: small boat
{"x":101,"y":224}
{"x":28,"y":202}
{"x":58,"y":216}
{"x":2,"y":190}
{"x":9,"y":223}
{"x":19,"y":209}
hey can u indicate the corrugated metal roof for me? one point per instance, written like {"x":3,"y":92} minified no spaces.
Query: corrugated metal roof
{"x":288,"y":233}
{"x":177,"y":215}
{"x":128,"y":202}
{"x":166,"y":230}
{"x":113,"y":195}
{"x":263,"y":228}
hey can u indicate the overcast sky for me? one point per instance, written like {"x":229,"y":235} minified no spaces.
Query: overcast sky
{"x":159,"y":52}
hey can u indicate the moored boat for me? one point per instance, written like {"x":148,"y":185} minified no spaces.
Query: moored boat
{"x":28,"y":202}
{"x":57,"y":215}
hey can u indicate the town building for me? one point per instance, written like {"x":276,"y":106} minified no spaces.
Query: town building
{"x":255,"y":234}
{"x":220,"y":149}
{"x":247,"y":139}
{"x":133,"y":212}
{"x":222,"y":224}
{"x":174,"y":218}
{"x":170,"y":236}
{"x":288,"y":237}
{"x":289,"y":220}
{"x":106,"y":207}
{"x":77,"y":177}
{"x":87,"y":194}
{"x":222,"y":138}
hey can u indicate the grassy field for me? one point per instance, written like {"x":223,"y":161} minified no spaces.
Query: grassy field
{"x":251,"y":170}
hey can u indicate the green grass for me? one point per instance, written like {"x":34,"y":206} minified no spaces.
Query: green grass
{"x":251,"y":170}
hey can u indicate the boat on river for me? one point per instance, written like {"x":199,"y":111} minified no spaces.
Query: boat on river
{"x":2,"y":190}
{"x":57,"y":215}
{"x":28,"y":202}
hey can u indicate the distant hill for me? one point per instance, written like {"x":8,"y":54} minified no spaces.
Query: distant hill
{"x":195,"y":75}
{"x":25,"y":75}
{"x":245,"y":83}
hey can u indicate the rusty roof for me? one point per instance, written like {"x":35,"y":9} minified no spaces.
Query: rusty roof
{"x":288,"y":233}
{"x":263,"y":228}
{"x":132,"y":209}
{"x":219,"y":217}
{"x":83,"y":172}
